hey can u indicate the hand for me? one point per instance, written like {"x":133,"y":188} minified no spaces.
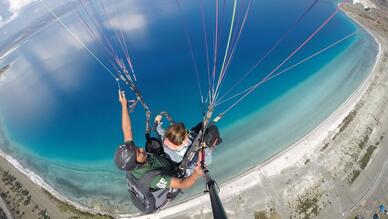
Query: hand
{"x":122,"y":99}
{"x":158,"y":118}
{"x":200,"y":157}
{"x":198,"y":170}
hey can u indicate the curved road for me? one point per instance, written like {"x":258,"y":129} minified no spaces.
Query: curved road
{"x":3,"y":206}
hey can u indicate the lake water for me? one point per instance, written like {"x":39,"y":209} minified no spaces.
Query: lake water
{"x":59,"y":109}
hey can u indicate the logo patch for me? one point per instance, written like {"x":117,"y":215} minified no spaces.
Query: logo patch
{"x":162,"y":183}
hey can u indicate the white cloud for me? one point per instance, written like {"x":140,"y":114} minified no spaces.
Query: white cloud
{"x":53,"y":60}
{"x":37,"y":99}
{"x":16,"y":5}
{"x":128,"y":22}
{"x":14,"y":8}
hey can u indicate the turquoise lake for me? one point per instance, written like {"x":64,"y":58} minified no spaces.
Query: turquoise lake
{"x":59,"y":108}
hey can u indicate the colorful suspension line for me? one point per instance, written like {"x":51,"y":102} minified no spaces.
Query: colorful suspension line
{"x":106,"y":45}
{"x":122,"y":75}
{"x":120,"y":39}
{"x":104,"y":41}
{"x":274,"y":46}
{"x":77,"y":39}
{"x":293,"y":66}
{"x":235,"y":45}
{"x":221,"y":75}
{"x":218,"y":117}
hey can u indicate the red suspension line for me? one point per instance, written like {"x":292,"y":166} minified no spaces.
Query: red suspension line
{"x":235,"y":45}
{"x":293,"y":66}
{"x":289,"y":57}
{"x":277,"y":43}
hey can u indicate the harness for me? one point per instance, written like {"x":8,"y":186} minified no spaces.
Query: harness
{"x":154,"y":144}
{"x":148,"y":200}
{"x":143,"y":197}
{"x":200,"y":139}
{"x":191,"y":155}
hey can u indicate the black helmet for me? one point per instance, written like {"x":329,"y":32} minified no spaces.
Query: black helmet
{"x":212,"y":136}
{"x":125,"y":157}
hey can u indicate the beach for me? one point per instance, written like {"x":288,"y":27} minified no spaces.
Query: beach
{"x":27,"y":198}
{"x":330,"y":173}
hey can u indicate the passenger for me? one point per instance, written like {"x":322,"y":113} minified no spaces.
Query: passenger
{"x":177,"y":139}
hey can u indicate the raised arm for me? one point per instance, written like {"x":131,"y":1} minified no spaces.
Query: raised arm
{"x":126,"y":121}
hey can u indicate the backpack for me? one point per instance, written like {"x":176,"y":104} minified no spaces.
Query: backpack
{"x":143,"y":197}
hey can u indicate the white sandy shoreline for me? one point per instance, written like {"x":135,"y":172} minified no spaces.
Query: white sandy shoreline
{"x":40,"y":182}
{"x":273,"y":165}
